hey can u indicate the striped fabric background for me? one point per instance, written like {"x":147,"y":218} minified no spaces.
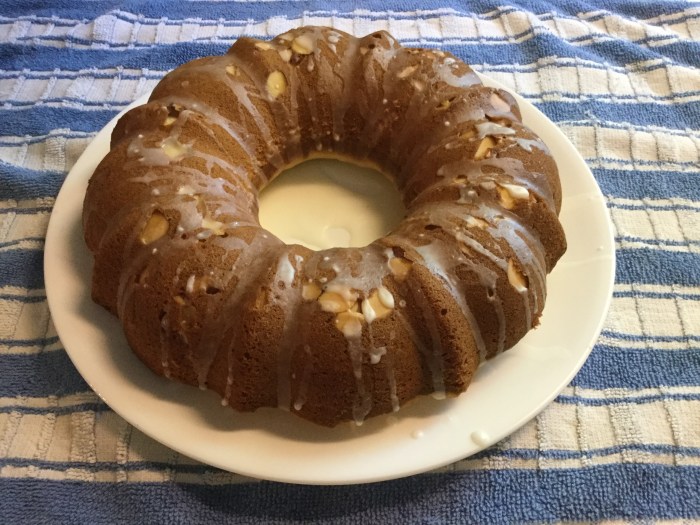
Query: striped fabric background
{"x":622,"y":442}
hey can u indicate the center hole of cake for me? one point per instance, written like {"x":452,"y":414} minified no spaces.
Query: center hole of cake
{"x":326,"y":203}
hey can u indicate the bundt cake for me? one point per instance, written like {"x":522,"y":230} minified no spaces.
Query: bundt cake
{"x":207,"y":297}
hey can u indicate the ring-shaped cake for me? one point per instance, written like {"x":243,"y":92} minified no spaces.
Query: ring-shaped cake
{"x":207,"y":297}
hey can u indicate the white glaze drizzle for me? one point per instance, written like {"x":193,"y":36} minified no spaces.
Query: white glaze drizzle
{"x":289,"y":300}
{"x":285,"y":270}
{"x":528,"y":144}
{"x":435,"y":354}
{"x":492,"y":128}
{"x":434,"y":260}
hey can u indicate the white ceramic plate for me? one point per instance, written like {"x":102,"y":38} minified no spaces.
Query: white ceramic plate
{"x":507,"y":392}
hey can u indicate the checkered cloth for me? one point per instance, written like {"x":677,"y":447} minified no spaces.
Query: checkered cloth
{"x":622,"y":442}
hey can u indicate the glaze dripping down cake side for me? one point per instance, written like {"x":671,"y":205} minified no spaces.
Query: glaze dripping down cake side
{"x":209,"y":298}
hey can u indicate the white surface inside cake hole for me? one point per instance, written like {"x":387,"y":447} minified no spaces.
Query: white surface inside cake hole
{"x":328,"y":203}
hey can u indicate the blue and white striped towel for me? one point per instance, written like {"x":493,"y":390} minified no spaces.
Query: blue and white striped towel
{"x":621,"y":443}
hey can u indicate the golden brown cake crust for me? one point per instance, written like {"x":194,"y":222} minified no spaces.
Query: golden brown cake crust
{"x":209,"y":298}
